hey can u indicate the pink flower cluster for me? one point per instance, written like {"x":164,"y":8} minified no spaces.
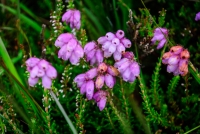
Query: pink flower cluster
{"x":177,"y":60}
{"x":40,"y":68}
{"x":128,"y":68}
{"x":114,"y":44}
{"x":160,"y":35}
{"x":70,"y":48}
{"x":93,"y":53}
{"x":87,"y":83}
{"x":72,"y":17}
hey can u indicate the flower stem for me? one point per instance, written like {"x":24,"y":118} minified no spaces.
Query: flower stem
{"x":107,"y":113}
{"x":194,"y":72}
{"x":126,"y":126}
{"x":192,"y":130}
{"x":46,"y":105}
{"x":124,"y":99}
{"x":64,"y":113}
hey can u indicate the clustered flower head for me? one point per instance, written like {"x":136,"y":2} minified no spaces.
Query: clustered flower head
{"x":160,"y":35}
{"x":70,"y":48}
{"x":87,"y":83}
{"x":177,"y":60}
{"x":128,"y":68}
{"x":40,"y":68}
{"x":72,"y":17}
{"x":197,"y":17}
{"x":114,"y":44}
{"x":93,"y":53}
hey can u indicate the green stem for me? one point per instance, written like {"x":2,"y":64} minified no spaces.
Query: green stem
{"x":63,"y":112}
{"x":108,"y":115}
{"x":122,"y":120}
{"x":116,"y":16}
{"x":124,"y":99}
{"x":139,"y":115}
{"x":46,"y":105}
{"x":192,"y":130}
{"x":156,"y":78}
{"x":194,"y":72}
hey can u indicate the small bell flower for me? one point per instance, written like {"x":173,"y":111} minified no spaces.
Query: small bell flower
{"x":159,"y":35}
{"x":197,"y":17}
{"x":100,"y":98}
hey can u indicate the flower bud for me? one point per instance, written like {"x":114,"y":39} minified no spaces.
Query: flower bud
{"x":128,"y":55}
{"x":110,"y":36}
{"x":102,"y":40}
{"x":107,"y":54}
{"x":115,"y":41}
{"x":197,"y":17}
{"x":62,"y":51}
{"x":83,"y":88}
{"x":117,"y":56}
{"x":176,"y":49}
{"x":119,"y":63}
{"x":113,"y":71}
{"x":183,"y":67}
{"x":102,"y":68}
{"x":174,"y":59}
{"x":51,"y":72}
{"x":102,"y":103}
{"x":91,"y":73}
{"x":120,"y":34}
{"x":172,"y":68}
{"x":161,"y":43}
{"x":135,"y":69}
{"x":31,"y":62}
{"x":126,"y":74}
{"x":90,"y":55}
{"x":126,"y":42}
{"x":165,"y":57}
{"x":40,"y":73}
{"x":121,"y":48}
{"x":112,"y":48}
{"x":99,"y":56}
{"x":89,"y":46}
{"x":89,"y":89}
{"x":78,"y":51}
{"x":99,"y":81}
{"x":46,"y":82}
{"x":71,"y":45}
{"x":106,"y":45}
{"x":185,"y":54}
{"x":109,"y":80}
{"x":80,"y":77}
{"x":34,"y":72}
{"x":32,"y":81}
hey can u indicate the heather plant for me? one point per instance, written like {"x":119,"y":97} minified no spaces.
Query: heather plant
{"x":100,"y":67}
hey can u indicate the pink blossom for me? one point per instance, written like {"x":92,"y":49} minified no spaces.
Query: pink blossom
{"x":70,"y":48}
{"x":160,"y":35}
{"x":197,"y":17}
{"x":72,"y":17}
{"x":100,"y":98}
{"x":40,"y":69}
